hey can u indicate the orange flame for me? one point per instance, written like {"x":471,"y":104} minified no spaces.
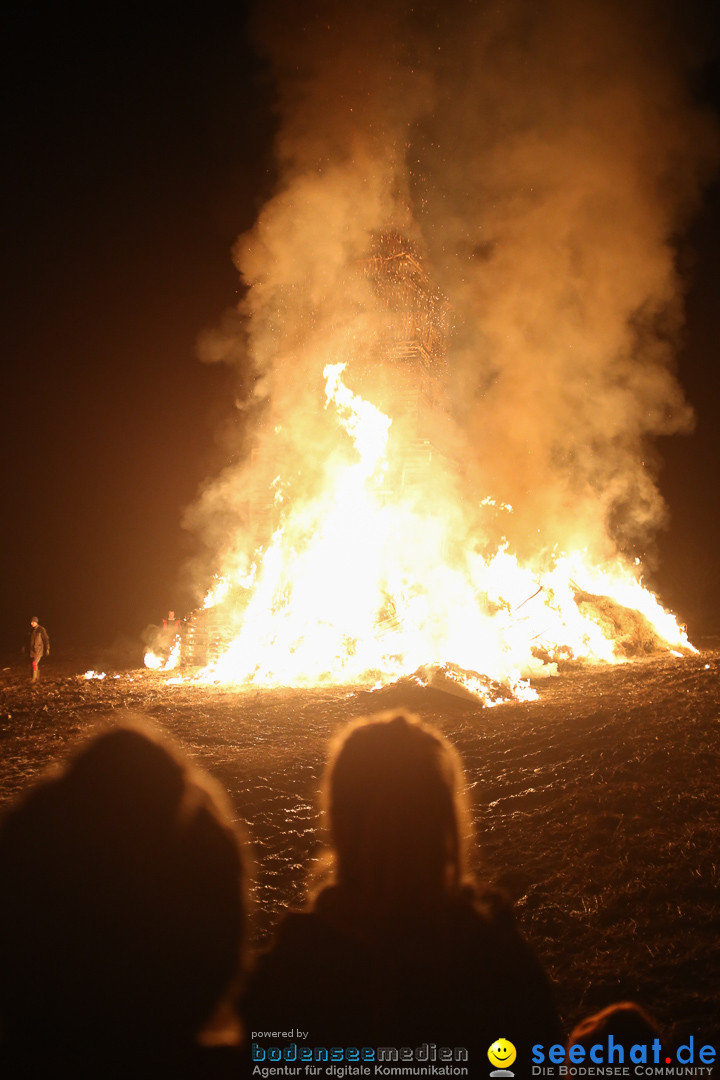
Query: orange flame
{"x":355,"y":588}
{"x":157,"y":663}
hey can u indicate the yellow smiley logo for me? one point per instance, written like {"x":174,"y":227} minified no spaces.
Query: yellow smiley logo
{"x":502,"y":1053}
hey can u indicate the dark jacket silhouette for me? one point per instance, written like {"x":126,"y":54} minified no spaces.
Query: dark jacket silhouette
{"x":39,"y":642}
{"x":397,"y":951}
{"x":464,"y":980}
{"x":121,"y":915}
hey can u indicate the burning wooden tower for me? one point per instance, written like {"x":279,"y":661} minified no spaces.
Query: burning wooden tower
{"x":414,"y":315}
{"x":407,"y":351}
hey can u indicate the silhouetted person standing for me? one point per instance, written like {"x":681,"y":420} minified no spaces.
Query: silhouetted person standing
{"x":398,"y":949}
{"x":122,"y":918}
{"x":39,"y":646}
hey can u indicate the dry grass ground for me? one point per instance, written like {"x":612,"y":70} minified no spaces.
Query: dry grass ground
{"x":597,"y":807}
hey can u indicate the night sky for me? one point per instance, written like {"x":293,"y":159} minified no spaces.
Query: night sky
{"x":138,"y":146}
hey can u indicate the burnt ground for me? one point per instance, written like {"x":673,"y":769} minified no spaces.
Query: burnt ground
{"x":596,"y":807}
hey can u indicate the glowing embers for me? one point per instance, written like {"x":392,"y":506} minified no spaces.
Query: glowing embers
{"x":366,"y":581}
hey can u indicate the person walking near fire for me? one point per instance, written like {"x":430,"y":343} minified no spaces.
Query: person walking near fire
{"x":39,"y":646}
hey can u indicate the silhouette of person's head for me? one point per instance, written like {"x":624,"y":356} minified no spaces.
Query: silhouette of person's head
{"x":626,"y":1021}
{"x":122,"y":907}
{"x":393,"y":810}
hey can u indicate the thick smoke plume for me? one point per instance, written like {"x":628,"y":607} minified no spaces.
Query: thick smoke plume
{"x":543,"y":158}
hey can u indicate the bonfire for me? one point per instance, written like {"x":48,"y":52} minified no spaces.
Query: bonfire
{"x":373,"y":570}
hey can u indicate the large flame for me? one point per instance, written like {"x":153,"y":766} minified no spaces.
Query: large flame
{"x":361,"y":585}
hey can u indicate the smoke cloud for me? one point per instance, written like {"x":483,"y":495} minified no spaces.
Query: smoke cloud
{"x":543,"y":158}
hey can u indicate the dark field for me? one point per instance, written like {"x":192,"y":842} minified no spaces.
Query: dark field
{"x":596,"y":808}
